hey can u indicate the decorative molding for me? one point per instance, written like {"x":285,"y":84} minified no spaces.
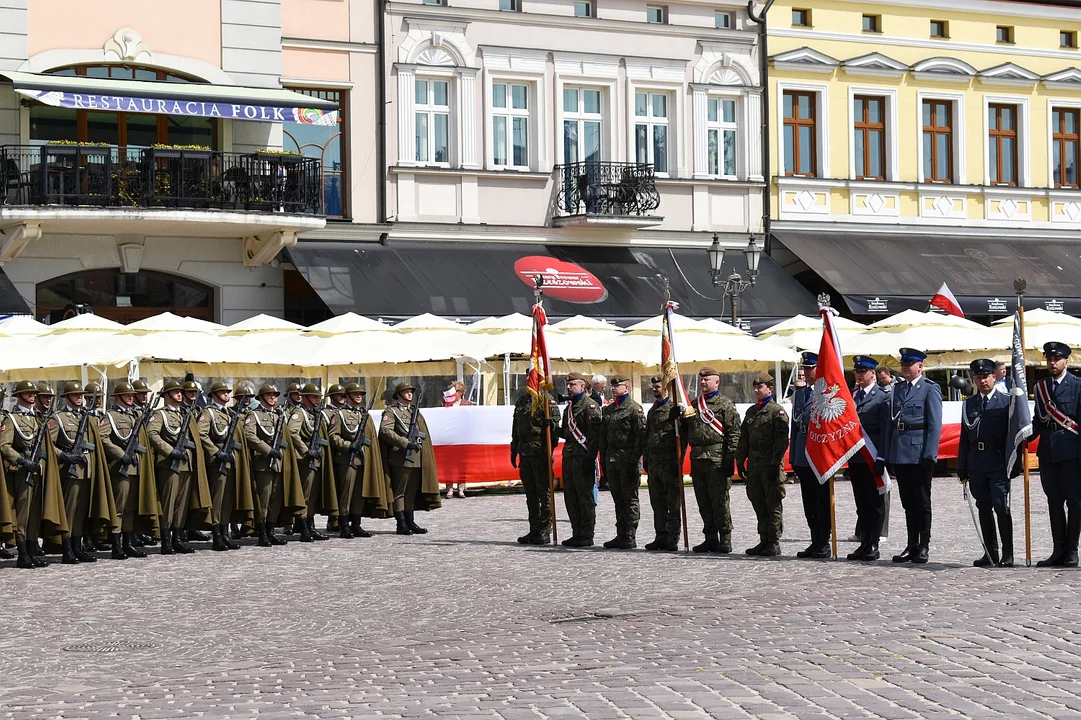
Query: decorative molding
{"x":407,"y":139}
{"x":653,"y":69}
{"x":436,"y":43}
{"x":944,"y":204}
{"x":725,"y":65}
{"x":1008,"y":74}
{"x":261,"y":249}
{"x":52,"y":59}
{"x":805,"y":201}
{"x":1012,"y":207}
{"x":14,"y":240}
{"x":518,"y":59}
{"x":589,"y":65}
{"x":1068,"y":79}
{"x":331,"y":45}
{"x":874,"y":65}
{"x":126,"y":44}
{"x":131,"y":257}
{"x":875,"y":203}
{"x":944,"y":69}
{"x":805,"y":59}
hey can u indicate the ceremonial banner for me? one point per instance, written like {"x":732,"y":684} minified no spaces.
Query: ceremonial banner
{"x":834,"y":432}
{"x":670,"y":377}
{"x":539,"y":380}
{"x":946,"y":302}
{"x":1020,"y":428}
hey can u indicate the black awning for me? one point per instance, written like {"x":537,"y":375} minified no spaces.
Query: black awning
{"x":883,"y":273}
{"x":471,"y":280}
{"x":11,"y":300}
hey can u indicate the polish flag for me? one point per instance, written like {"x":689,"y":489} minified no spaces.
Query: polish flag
{"x":946,"y":302}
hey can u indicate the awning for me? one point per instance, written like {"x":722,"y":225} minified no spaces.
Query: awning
{"x":883,"y":273}
{"x":11,"y":300}
{"x":228,"y":102}
{"x":471,"y":281}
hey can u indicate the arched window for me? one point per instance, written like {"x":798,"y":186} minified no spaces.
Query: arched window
{"x":127,"y":130}
{"x":124,"y":297}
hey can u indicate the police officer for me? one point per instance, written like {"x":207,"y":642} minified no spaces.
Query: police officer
{"x":75,"y":451}
{"x":174,"y":464}
{"x":816,"y":495}
{"x":221,"y":451}
{"x":911,"y":447}
{"x":581,"y":427}
{"x":351,"y":426}
{"x":664,"y":466}
{"x":18,"y":430}
{"x":873,"y":408}
{"x":531,"y":453}
{"x":623,"y":425}
{"x":308,"y":426}
{"x":763,"y":440}
{"x":1058,"y":411}
{"x":713,"y":433}
{"x":116,"y":427}
{"x":981,"y":461}
{"x":261,"y":426}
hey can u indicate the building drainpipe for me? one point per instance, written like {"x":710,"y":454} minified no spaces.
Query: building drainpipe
{"x":381,"y":125}
{"x":763,"y":72}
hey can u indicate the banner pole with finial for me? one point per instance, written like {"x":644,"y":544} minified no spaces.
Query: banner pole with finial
{"x":538,"y":294}
{"x":1019,"y":286}
{"x":679,"y":444}
{"x":823,"y":303}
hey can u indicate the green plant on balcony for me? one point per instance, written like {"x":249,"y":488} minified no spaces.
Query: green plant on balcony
{"x":167,"y":146}
{"x":273,"y":151}
{"x":78,"y":143}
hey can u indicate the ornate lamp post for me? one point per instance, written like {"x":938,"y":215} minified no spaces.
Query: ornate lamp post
{"x":734,"y":285}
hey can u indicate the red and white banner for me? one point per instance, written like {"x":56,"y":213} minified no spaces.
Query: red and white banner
{"x":946,"y":302}
{"x":539,"y":380}
{"x":670,"y":377}
{"x":834,"y":432}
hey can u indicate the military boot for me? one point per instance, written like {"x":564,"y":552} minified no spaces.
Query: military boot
{"x":770,"y":549}
{"x":177,"y":535}
{"x":260,"y":530}
{"x":344,"y":531}
{"x":810,"y":550}
{"x":540,"y":539}
{"x":613,"y":543}
{"x":167,"y":542}
{"x":82,"y":555}
{"x":68,"y":553}
{"x":569,"y":541}
{"x":272,"y":537}
{"x":627,"y":542}
{"x":315,"y":533}
{"x":1057,"y":517}
{"x":1073,"y":529}
{"x":723,"y":546}
{"x":910,"y":549}
{"x":403,"y":526}
{"x":358,"y":531}
{"x":525,"y":539}
{"x":130,"y":549}
{"x":1005,"y":529}
{"x":580,"y":541}
{"x":92,"y":545}
{"x":297,"y":528}
{"x":5,"y":554}
{"x":865,"y":542}
{"x":417,"y":529}
{"x":990,"y":540}
{"x":757,"y":549}
{"x":658,"y":543}
{"x":871,"y":553}
{"x":117,"y":547}
{"x":920,"y":556}
{"x":194,"y":535}
{"x":305,"y":531}
{"x":217,"y":541}
{"x":234,"y":531}
{"x":24,"y":561}
{"x":710,"y":544}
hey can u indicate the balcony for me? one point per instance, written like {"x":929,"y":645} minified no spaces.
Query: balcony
{"x":605,"y":194}
{"x":263,"y":198}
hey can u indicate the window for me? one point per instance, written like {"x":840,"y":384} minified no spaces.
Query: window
{"x":723,"y":20}
{"x":510,"y":5}
{"x":582,"y":120}
{"x":434,"y":2}
{"x":940,"y":29}
{"x":326,"y":143}
{"x":872,"y":23}
{"x":1002,"y":144}
{"x":869,"y":137}
{"x":651,"y":130}
{"x":124,"y":297}
{"x":1004,"y":34}
{"x":721,"y":136}
{"x":432,"y":105}
{"x":656,"y":14}
{"x":938,"y":141}
{"x":800,"y":143}
{"x":1067,"y":39}
{"x":510,"y":125}
{"x":583,"y":9}
{"x":801,"y":17}
{"x":1066,"y":142}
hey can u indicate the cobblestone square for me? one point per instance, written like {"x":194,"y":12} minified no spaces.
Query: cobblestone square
{"x":463,"y":622}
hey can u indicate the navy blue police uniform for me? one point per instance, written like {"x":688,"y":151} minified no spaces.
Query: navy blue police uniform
{"x":816,"y":495}
{"x":873,"y":408}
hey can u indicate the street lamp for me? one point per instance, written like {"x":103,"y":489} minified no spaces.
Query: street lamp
{"x":734,"y":285}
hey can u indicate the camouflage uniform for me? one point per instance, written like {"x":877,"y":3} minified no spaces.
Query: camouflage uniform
{"x":578,"y":466}
{"x":712,"y":464}
{"x":664,"y":472}
{"x":529,"y":445}
{"x":763,"y":442}
{"x":623,"y":425}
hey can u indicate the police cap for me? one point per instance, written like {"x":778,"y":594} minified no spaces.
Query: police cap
{"x":912,"y":355}
{"x":809,"y":359}
{"x":864,"y":362}
{"x":1056,"y":348}
{"x":983,"y":366}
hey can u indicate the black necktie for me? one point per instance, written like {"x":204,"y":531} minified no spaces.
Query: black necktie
{"x":983,"y":402}
{"x":859,"y":396}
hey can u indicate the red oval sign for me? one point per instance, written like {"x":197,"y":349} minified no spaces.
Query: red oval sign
{"x":562,"y":280}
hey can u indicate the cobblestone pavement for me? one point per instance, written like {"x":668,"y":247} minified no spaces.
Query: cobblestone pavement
{"x":463,"y":622}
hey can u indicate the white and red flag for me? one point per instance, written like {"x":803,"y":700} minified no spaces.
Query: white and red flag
{"x":946,"y":302}
{"x":670,"y":377}
{"x":539,"y":380}
{"x":834,"y":432}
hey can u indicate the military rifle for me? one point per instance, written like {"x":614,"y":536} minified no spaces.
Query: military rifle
{"x":226,"y":457}
{"x":37,"y":450}
{"x":416,"y":438}
{"x":361,"y":441}
{"x":276,"y":441}
{"x":183,"y":440}
{"x":134,"y":448}
{"x":315,"y":447}
{"x":80,"y":446}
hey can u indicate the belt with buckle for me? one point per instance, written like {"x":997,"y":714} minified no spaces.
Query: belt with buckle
{"x":982,"y":446}
{"x":902,"y":427}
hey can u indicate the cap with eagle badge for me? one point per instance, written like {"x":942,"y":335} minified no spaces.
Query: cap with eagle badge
{"x":707,"y":371}
{"x":809,"y":359}
{"x":912,"y":355}
{"x":171,"y":385}
{"x":982,"y":366}
{"x":1053,"y":348}
{"x":25,"y":386}
{"x":619,"y":380}
{"x":140,"y":386}
{"x":864,"y":362}
{"x":763,"y":378}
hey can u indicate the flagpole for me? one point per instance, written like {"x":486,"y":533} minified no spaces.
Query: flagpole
{"x":1019,"y":288}
{"x":679,"y":446}
{"x":538,"y":284}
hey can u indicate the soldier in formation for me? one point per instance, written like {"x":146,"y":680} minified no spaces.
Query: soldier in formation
{"x":581,"y":428}
{"x":534,"y":434}
{"x":763,"y":440}
{"x":713,"y":432}
{"x":663,"y":451}
{"x":308,"y":429}
{"x":356,"y":455}
{"x":226,"y":462}
{"x":409,"y":460}
{"x":621,"y":439}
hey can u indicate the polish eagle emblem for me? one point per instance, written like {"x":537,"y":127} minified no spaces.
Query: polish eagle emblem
{"x":825,"y":405}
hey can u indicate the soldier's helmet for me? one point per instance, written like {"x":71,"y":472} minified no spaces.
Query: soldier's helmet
{"x":171,"y":385}
{"x":355,"y":388}
{"x":267,"y":389}
{"x":293,"y":387}
{"x":335,"y":389}
{"x":218,"y":386}
{"x":402,"y":387}
{"x":24,"y":386}
{"x":123,"y":388}
{"x":92,"y":388}
{"x":244,"y":389}
{"x":72,"y":388}
{"x":190,"y":386}
{"x":45,"y":390}
{"x":310,"y":389}
{"x":140,"y":386}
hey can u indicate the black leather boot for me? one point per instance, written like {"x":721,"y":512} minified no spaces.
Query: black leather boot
{"x":358,"y":531}
{"x":403,"y":526}
{"x":5,"y":554}
{"x":627,"y":542}
{"x":234,"y":531}
{"x":217,"y":542}
{"x":824,"y":549}
{"x":417,"y":529}
{"x":223,"y":530}
{"x":194,"y":535}
{"x":658,"y":543}
{"x":524,"y":539}
{"x":809,"y":551}
{"x":67,"y":556}
{"x":1073,"y":530}
{"x":296,"y":529}
{"x":710,"y":544}
{"x":264,"y":540}
{"x":907,"y":554}
{"x":346,"y":532}
{"x":922,"y":552}
{"x":315,"y":533}
{"x":24,"y":561}
{"x":127,"y":541}
{"x":117,"y":547}
{"x":990,"y":540}
{"x":1005,"y":529}
{"x":1057,"y":518}
{"x":305,"y":532}
{"x":80,"y":554}
{"x":177,"y":536}
{"x":167,"y":542}
{"x":92,"y":545}
{"x":613,"y":543}
{"x":865,"y":542}
{"x":274,"y":539}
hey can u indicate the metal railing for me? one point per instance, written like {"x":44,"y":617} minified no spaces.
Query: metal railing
{"x":605,"y":188}
{"x":107,"y":175}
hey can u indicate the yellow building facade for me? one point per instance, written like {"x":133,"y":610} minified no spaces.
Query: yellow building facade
{"x":953,"y":125}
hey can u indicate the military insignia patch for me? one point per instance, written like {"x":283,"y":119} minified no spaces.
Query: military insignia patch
{"x":294,"y":416}
{"x":247,"y":421}
{"x":783,"y":414}
{"x":3,"y":427}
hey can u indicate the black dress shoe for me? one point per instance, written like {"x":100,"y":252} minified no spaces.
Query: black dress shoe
{"x":807,"y":551}
{"x":905,"y":556}
{"x":1006,"y":561}
{"x":871,"y":553}
{"x":983,"y":562}
{"x":1070,"y":560}
{"x":822,"y":552}
{"x":1055,"y":560}
{"x":857,"y":554}
{"x":656,"y":544}
{"x":5,"y":554}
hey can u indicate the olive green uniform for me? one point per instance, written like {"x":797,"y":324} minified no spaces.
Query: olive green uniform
{"x":713,"y":454}
{"x":664,"y":469}
{"x":174,"y":485}
{"x":621,"y":442}
{"x":345,"y":423}
{"x":581,"y":428}
{"x":18,"y":429}
{"x":260,"y":427}
{"x":405,"y":474}
{"x":214,"y":435}
{"x":763,"y":442}
{"x":529,"y":443}
{"x":75,"y":478}
{"x":116,"y":427}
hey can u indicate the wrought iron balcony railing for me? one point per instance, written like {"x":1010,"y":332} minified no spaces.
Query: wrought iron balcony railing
{"x":109,"y":176}
{"x":605,"y":189}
